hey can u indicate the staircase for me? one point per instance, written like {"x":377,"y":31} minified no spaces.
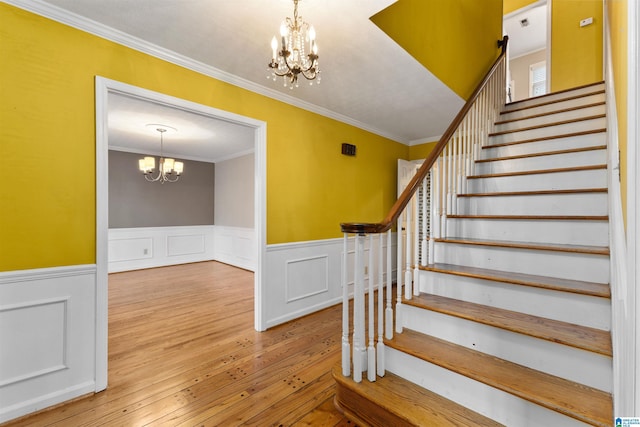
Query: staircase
{"x":512,"y":318}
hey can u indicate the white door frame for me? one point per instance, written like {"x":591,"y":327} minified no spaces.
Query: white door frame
{"x":103,"y":87}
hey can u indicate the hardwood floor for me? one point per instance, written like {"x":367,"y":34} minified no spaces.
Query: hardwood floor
{"x":183,"y":352}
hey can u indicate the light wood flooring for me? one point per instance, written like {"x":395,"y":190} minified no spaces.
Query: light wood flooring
{"x":183,"y":352}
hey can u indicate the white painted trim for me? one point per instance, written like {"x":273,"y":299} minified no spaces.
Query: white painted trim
{"x":633,"y":183}
{"x":622,"y":335}
{"x":182,"y":156}
{"x":283,"y":305}
{"x":84,"y":24}
{"x":63,"y":368}
{"x":235,"y":246}
{"x":156,"y":246}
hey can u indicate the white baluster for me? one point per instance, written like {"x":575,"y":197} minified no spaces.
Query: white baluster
{"x":426,"y":218}
{"x":359,"y":352}
{"x":399,"y":274}
{"x":435,"y":221}
{"x":346,"y":346}
{"x":380,"y":345}
{"x":408,"y":279}
{"x":371,"y":351}
{"x":389,"y":309}
{"x":416,"y":246}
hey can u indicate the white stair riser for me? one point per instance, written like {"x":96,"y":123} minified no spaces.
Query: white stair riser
{"x":552,"y":161}
{"x":559,"y":96}
{"x":556,"y":106}
{"x":549,"y":131}
{"x":498,"y":405}
{"x":564,"y":265}
{"x":588,"y":233}
{"x":556,"y":117}
{"x":565,"y":143}
{"x":545,"y":181}
{"x":539,"y":204}
{"x":578,"y":309}
{"x":560,"y":360}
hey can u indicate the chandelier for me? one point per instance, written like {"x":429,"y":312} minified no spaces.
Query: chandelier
{"x":292,"y":60}
{"x":168,"y":169}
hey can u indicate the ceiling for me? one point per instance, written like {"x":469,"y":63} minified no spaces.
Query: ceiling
{"x":367,"y":79}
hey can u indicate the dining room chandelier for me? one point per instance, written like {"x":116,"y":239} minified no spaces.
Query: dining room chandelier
{"x":168,"y":169}
{"x":292,"y":59}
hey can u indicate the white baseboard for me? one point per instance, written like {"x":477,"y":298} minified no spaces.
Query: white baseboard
{"x":47,"y":325}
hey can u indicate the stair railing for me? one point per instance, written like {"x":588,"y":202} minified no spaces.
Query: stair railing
{"x":419,"y":222}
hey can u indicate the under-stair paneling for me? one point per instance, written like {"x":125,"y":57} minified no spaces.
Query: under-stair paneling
{"x":47,"y":330}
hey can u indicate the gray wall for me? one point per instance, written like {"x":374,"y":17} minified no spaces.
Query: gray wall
{"x":234,"y":192}
{"x":135,"y":202}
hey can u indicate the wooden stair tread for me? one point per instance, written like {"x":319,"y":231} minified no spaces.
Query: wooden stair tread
{"x":544,"y":153}
{"x":538,"y":171}
{"x":574,"y":400}
{"x":549,"y":113}
{"x":594,"y":250}
{"x":546,"y":125}
{"x":507,"y":108}
{"x":370,"y":403}
{"x":553,"y":283}
{"x":582,"y":337}
{"x":535,"y":192}
{"x":535,"y":217}
{"x":545,"y":138}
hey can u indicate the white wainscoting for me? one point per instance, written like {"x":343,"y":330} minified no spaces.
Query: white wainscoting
{"x":236,"y":246}
{"x":47,"y":337}
{"x":305,"y":277}
{"x":148,"y":247}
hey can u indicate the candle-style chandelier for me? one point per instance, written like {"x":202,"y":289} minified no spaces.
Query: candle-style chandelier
{"x":292,"y":60}
{"x":168,"y":169}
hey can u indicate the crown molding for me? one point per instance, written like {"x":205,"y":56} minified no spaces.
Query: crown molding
{"x":103,"y":31}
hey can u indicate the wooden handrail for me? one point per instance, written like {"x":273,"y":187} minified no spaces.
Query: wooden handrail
{"x":412,"y":187}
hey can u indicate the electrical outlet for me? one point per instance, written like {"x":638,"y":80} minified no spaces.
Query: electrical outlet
{"x":586,"y":21}
{"x":145,"y":251}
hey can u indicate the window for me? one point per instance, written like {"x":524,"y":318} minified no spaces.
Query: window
{"x":538,"y":78}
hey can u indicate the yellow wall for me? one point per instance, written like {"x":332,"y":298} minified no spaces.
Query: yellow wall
{"x":617,"y":13}
{"x":576,"y":53}
{"x":512,"y":5}
{"x":421,"y":151}
{"x":447,"y":37}
{"x":47,"y":135}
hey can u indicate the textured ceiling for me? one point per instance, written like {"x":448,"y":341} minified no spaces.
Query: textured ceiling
{"x":367,"y":79}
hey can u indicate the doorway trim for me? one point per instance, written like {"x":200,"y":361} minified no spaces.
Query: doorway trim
{"x":103,"y":87}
